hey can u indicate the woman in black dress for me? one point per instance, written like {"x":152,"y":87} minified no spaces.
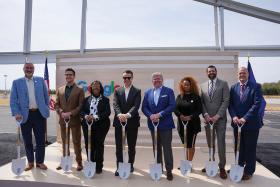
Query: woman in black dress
{"x":96,"y":108}
{"x":188,"y":108}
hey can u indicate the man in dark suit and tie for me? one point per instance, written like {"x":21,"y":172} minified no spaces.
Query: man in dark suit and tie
{"x":158,"y":105}
{"x":245,"y":102}
{"x":126,"y":103}
{"x":215,"y":101}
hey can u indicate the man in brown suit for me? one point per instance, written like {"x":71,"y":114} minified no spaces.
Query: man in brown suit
{"x":69,"y":100}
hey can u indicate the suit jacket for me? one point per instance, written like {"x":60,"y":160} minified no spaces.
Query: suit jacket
{"x":219,"y":102}
{"x":73,"y":104}
{"x":103,"y":111}
{"x":248,"y":107}
{"x":19,"y":100}
{"x":189,"y":105}
{"x":166,"y":105}
{"x":121,"y":106}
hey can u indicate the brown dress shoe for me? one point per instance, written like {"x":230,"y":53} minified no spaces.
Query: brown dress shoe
{"x":79,"y":167}
{"x":42,"y":166}
{"x":169,"y":176}
{"x":246,"y":177}
{"x":223,"y":173}
{"x":29,"y":167}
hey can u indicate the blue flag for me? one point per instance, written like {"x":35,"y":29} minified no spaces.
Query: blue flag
{"x":252,"y":79}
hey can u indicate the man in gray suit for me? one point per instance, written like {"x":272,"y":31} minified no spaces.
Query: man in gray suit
{"x":215,"y":101}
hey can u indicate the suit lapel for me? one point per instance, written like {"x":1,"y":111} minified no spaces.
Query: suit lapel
{"x":160,"y":94}
{"x":122,"y":94}
{"x":63,"y":94}
{"x":25,"y":88}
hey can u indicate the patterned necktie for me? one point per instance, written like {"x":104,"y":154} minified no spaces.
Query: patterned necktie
{"x":211,"y":89}
{"x":242,"y":90}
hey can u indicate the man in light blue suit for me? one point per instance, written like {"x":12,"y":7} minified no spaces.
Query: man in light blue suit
{"x":29,"y":102}
{"x":158,"y":105}
{"x":245,"y":102}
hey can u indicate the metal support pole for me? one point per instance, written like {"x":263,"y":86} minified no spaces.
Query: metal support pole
{"x":5,"y":76}
{"x":221,"y":10}
{"x":27,"y":26}
{"x":83,"y":27}
{"x":216,"y":23}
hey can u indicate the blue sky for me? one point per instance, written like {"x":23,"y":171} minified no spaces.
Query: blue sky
{"x":137,"y":23}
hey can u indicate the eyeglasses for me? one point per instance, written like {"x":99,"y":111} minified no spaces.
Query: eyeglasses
{"x":69,"y":74}
{"x":126,"y":78}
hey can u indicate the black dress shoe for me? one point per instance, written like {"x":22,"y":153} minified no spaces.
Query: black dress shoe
{"x":131,"y":169}
{"x":169,"y":176}
{"x":246,"y":177}
{"x":203,"y":170}
{"x":117,"y":173}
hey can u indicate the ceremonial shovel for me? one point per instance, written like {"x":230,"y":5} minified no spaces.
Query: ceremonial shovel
{"x":18,"y":165}
{"x":185,"y":165}
{"x":155,"y":169}
{"x":89,"y":169}
{"x":211,"y":165}
{"x":124,"y":167}
{"x":236,"y":171}
{"x":66,"y":161}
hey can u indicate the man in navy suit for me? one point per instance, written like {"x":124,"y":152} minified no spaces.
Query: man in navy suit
{"x":245,"y":102}
{"x":29,"y":102}
{"x":158,"y":105}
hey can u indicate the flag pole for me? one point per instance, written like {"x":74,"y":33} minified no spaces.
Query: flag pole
{"x":46,"y":126}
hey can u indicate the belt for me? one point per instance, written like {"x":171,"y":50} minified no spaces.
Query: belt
{"x":33,"y":109}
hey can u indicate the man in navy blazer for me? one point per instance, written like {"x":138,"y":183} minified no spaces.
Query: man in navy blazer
{"x":29,"y":102}
{"x":245,"y":102}
{"x":158,"y":105}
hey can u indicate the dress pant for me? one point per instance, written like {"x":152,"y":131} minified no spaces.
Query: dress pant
{"x":219,"y":131}
{"x":247,"y":152}
{"x":164,"y":140}
{"x":131,"y":134}
{"x":98,"y":135}
{"x":76,"y":139}
{"x":35,"y":122}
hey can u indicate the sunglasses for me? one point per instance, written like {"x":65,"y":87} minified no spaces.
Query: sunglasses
{"x":126,"y":78}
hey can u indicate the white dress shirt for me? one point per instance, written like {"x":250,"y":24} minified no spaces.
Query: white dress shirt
{"x":31,"y":93}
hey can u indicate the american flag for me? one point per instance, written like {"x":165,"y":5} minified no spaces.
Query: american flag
{"x":47,"y":81}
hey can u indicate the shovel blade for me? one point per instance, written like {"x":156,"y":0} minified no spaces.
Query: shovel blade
{"x":155,"y":171}
{"x":124,"y":170}
{"x":66,"y":163}
{"x":185,"y":167}
{"x":18,"y":166}
{"x":89,"y":169}
{"x":211,"y":168}
{"x":236,"y":172}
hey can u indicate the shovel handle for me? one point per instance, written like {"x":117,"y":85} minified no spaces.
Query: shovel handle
{"x":89,"y":140}
{"x":123,"y":124}
{"x":185,"y":138}
{"x":67,"y":121}
{"x":211,"y":124}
